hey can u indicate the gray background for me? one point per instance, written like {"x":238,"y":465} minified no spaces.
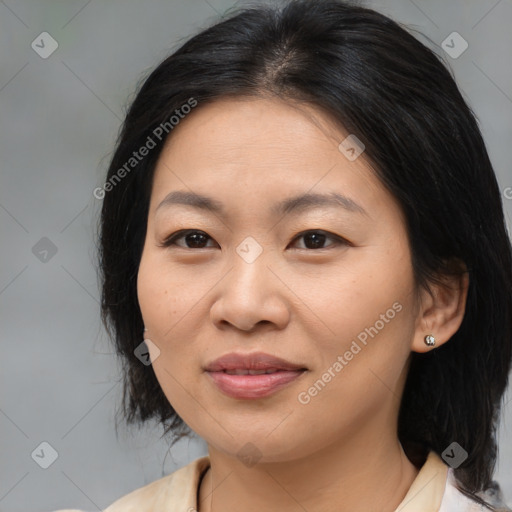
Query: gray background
{"x":60,"y":115}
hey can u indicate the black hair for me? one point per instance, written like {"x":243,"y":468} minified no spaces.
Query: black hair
{"x":395,"y":94}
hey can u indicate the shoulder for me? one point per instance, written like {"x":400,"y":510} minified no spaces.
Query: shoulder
{"x":179,"y":490}
{"x":455,"y":501}
{"x":435,"y":489}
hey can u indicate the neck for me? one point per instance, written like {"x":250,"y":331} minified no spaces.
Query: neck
{"x":344,"y":477}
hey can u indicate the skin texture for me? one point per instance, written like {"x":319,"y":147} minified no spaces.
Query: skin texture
{"x":303,"y":304}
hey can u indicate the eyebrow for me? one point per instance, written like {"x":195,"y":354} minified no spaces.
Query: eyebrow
{"x":289,"y":205}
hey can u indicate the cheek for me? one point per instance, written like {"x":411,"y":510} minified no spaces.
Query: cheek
{"x":368,"y":319}
{"x":169,"y":303}
{"x":365,"y":292}
{"x":163,"y":293}
{"x":159,"y":308}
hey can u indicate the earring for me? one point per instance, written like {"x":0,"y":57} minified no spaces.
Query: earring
{"x":430,"y":341}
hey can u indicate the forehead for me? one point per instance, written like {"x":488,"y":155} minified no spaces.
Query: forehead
{"x":239,"y":126}
{"x":265,"y":148}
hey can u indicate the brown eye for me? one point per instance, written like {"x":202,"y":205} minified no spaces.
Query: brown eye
{"x":194,"y":239}
{"x":315,"y":239}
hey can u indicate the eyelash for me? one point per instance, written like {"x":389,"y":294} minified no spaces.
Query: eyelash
{"x":170,"y":241}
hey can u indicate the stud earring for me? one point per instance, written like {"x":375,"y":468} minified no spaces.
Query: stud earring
{"x":430,"y":341}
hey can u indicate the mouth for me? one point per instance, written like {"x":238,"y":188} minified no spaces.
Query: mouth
{"x":252,"y":376}
{"x":253,"y":385}
{"x":242,"y":371}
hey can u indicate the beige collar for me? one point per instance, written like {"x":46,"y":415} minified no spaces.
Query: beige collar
{"x":427,"y":490}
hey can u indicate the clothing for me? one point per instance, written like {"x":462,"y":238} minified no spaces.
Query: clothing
{"x":433,"y":490}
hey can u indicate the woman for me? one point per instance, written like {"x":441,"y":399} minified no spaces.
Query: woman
{"x":302,"y":222}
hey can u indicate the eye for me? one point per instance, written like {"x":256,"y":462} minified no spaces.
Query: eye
{"x":315,"y":239}
{"x":194,"y":239}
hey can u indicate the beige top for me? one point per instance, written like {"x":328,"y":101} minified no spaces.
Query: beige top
{"x":433,"y":490}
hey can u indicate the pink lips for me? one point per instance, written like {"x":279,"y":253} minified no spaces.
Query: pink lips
{"x":234,"y":374}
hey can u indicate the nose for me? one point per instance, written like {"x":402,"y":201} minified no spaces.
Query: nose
{"x":251,"y":296}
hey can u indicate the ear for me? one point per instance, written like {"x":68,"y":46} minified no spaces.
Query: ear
{"x":441,"y":312}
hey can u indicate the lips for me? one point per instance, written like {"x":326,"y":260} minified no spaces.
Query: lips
{"x":243,"y":371}
{"x":256,"y":362}
{"x":252,"y":376}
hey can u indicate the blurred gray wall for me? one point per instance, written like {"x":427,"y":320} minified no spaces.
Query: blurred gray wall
{"x":60,"y":112}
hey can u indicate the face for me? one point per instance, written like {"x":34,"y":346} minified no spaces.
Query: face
{"x":326,"y":285}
